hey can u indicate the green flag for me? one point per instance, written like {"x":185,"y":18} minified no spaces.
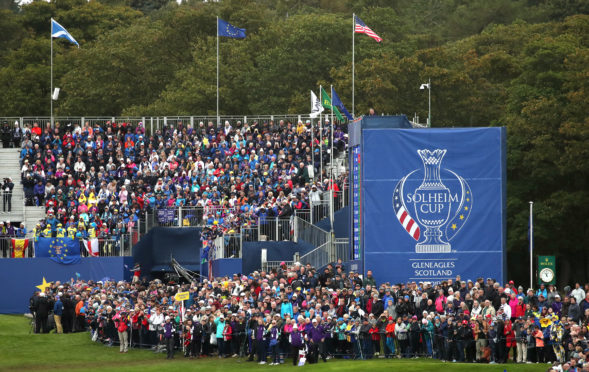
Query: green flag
{"x":326,"y":102}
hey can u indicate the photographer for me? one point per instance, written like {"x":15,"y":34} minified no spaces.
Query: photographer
{"x":7,"y":187}
{"x":42,"y":308}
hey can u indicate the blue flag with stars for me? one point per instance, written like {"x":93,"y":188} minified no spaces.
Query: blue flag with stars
{"x":226,"y":29}
{"x":337,"y":102}
{"x":61,"y":250}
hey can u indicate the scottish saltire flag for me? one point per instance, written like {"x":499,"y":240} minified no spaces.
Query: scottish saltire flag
{"x":361,"y":28}
{"x":226,"y":29}
{"x":337,"y":102}
{"x":58,"y":31}
{"x":61,"y":250}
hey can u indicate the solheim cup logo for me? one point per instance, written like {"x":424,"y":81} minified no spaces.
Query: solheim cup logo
{"x":441,"y":209}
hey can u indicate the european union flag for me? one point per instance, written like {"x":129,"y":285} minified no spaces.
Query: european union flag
{"x":225,"y":28}
{"x":337,"y":102}
{"x":61,"y":250}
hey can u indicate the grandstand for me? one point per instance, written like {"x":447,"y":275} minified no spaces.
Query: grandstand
{"x":267,"y":181}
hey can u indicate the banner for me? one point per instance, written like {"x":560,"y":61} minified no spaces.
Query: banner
{"x":61,"y":250}
{"x":433,"y":203}
{"x":19,"y":247}
{"x":165,"y":216}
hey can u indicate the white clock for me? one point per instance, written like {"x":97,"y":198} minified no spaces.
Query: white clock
{"x":546,"y":275}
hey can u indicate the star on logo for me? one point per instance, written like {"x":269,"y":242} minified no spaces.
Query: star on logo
{"x":454,"y":226}
{"x":465,"y":208}
{"x":44,"y":285}
{"x":461,"y":216}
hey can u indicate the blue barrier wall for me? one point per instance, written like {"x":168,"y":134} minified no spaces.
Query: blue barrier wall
{"x":226,"y":267}
{"x":156,"y":248}
{"x":341,"y":223}
{"x":20,"y":276}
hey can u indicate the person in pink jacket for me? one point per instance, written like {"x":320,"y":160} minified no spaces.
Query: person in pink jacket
{"x":440,"y":302}
{"x":513,"y":305}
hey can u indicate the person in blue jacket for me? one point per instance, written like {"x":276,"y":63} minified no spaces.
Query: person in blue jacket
{"x":57,"y":313}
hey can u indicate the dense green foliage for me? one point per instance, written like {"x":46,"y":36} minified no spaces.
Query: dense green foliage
{"x":518,"y":63}
{"x":21,"y":351}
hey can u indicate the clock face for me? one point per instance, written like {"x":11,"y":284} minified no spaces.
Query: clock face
{"x":547,"y":275}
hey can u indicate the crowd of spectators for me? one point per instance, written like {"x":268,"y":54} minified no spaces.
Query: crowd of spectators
{"x":330,"y":314}
{"x":98,"y":180}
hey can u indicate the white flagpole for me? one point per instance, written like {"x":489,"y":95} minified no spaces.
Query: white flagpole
{"x":321,"y":137}
{"x":218,"y":124}
{"x":353,"y":60}
{"x":51,"y":89}
{"x":531,"y":244}
{"x":332,"y":126}
{"x":312,"y":150}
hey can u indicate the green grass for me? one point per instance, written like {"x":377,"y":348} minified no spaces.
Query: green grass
{"x":21,"y":351}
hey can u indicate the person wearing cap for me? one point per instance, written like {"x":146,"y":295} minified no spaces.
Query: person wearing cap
{"x":156,"y":321}
{"x":538,"y":336}
{"x":452,"y":332}
{"x":259,"y":336}
{"x":521,"y":338}
{"x":7,"y":187}
{"x":47,"y":233}
{"x":295,"y":340}
{"x":168,"y":336}
{"x":60,"y":231}
{"x":401,"y":335}
{"x":390,"y":338}
{"x":121,"y":320}
{"x":414,"y":336}
{"x":273,"y":333}
{"x":315,"y":336}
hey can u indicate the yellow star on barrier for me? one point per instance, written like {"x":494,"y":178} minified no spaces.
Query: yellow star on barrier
{"x":44,"y":285}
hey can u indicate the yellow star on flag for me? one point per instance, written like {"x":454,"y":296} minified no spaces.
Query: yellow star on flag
{"x":453,"y":226}
{"x":461,"y":216}
{"x":44,"y":285}
{"x":465,"y":208}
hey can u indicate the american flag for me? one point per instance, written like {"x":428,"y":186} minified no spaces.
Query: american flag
{"x":361,"y":28}
{"x":403,"y":216}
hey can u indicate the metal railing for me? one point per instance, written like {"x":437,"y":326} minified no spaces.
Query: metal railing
{"x":307,"y":232}
{"x":107,"y":247}
{"x":331,"y":251}
{"x":271,"y":265}
{"x":154,"y":123}
{"x":303,"y":214}
{"x":341,"y":249}
{"x":319,"y":256}
{"x":187,"y":216}
{"x":276,"y":229}
{"x":228,"y":246}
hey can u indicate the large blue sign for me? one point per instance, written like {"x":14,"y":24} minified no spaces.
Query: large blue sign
{"x":433,"y":203}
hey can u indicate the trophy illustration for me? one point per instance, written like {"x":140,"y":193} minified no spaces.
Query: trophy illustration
{"x":432,"y":203}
